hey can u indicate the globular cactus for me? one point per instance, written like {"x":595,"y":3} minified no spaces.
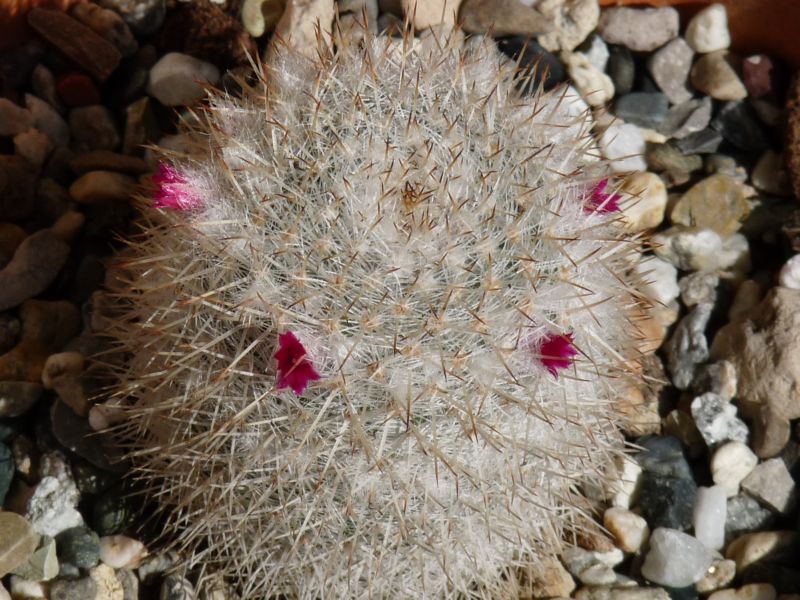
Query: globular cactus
{"x":373,"y":324}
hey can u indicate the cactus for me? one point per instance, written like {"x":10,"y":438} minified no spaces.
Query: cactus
{"x":373,"y":323}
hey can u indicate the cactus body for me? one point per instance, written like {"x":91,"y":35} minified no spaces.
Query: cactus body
{"x":438,"y":248}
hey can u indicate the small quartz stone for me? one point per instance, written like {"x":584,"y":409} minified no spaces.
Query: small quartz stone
{"x":771,"y":484}
{"x":670,"y":66}
{"x":731,"y":463}
{"x":596,"y":51}
{"x":624,"y":145}
{"x":697,"y":288}
{"x":642,"y":30}
{"x":630,"y":531}
{"x":675,"y":559}
{"x":709,"y":516}
{"x":717,"y":421}
{"x":177,"y":79}
{"x":708,"y":29}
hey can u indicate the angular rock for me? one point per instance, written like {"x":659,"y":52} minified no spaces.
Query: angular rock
{"x":757,"y":71}
{"x":709,"y":516}
{"x":574,"y":20}
{"x":33,"y":268}
{"x":700,"y":142}
{"x":76,"y":41}
{"x":658,"y":279}
{"x":51,"y":509}
{"x":717,"y":421}
{"x":713,"y":74}
{"x":708,"y":29}
{"x":503,"y":17}
{"x":667,"y":490}
{"x":641,"y":30}
{"x":43,"y":563}
{"x":687,"y":118}
{"x":720,"y":573}
{"x":70,"y":589}
{"x":108,"y":586}
{"x":765,"y":352}
{"x":17,"y":543}
{"x":688,"y":347}
{"x":738,"y":124}
{"x":645,"y":109}
{"x":746,"y":515}
{"x":675,"y":559}
{"x":771,"y":484}
{"x":630,"y":531}
{"x":669,"y":67}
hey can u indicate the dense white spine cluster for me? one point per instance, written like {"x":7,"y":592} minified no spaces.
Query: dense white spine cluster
{"x":421,"y":229}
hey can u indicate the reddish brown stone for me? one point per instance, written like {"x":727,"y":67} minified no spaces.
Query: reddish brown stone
{"x":77,"y":89}
{"x":77,"y":42}
{"x":757,"y":75}
{"x":202,"y":30}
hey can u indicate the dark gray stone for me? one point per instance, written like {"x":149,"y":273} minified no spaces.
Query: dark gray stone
{"x":688,"y":346}
{"x":621,"y":68}
{"x":112,"y":512}
{"x":668,"y":491}
{"x":746,"y":515}
{"x":705,"y":141}
{"x":79,"y":546}
{"x":645,"y":109}
{"x":542,"y":66}
{"x":738,"y":124}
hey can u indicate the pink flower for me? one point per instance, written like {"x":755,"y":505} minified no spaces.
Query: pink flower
{"x":598,"y":200}
{"x":294,"y":369}
{"x":173,"y":190}
{"x":555,"y":352}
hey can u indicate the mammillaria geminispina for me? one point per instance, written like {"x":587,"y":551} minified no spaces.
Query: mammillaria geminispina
{"x":374,"y":324}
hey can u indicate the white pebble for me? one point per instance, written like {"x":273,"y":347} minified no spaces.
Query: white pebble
{"x":675,"y":559}
{"x":623,"y":144}
{"x":593,"y":85}
{"x":630,"y":530}
{"x":178,"y":79}
{"x":659,"y":279}
{"x":22,"y":589}
{"x":120,"y":551}
{"x":630,"y":475}
{"x":708,"y":30}
{"x":710,"y":511}
{"x":790,"y":273}
{"x":731,"y":463}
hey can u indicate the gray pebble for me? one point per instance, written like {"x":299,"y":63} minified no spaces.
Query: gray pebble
{"x":688,"y":346}
{"x":716,"y":420}
{"x":645,"y":109}
{"x":699,"y":288}
{"x":669,"y":66}
{"x":130,"y":584}
{"x":621,"y":68}
{"x":687,"y":118}
{"x":79,"y":546}
{"x":745,"y":515}
{"x":641,"y":30}
{"x":108,"y":24}
{"x":700,"y":142}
